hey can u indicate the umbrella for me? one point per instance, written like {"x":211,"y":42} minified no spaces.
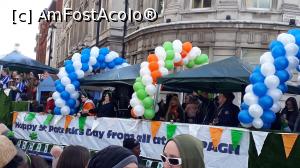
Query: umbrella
{"x":16,"y":61}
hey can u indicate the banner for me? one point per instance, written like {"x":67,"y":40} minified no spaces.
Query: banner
{"x":112,"y":131}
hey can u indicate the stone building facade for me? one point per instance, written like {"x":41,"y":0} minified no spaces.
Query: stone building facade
{"x":221,"y":28}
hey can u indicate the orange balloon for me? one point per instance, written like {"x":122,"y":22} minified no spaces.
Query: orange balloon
{"x":152,"y":58}
{"x":153,"y":66}
{"x":155,"y":74}
{"x":180,"y":63}
{"x":187,"y":46}
{"x":133,"y":114}
{"x":183,"y":53}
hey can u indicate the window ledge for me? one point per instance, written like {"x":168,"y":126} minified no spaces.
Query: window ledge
{"x":259,"y":10}
{"x":200,"y":10}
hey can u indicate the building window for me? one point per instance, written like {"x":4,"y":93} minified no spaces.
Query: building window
{"x":262,"y":4}
{"x":201,"y":3}
{"x":160,"y":6}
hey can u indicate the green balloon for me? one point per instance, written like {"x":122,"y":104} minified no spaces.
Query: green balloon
{"x":138,"y":86}
{"x":148,"y":102}
{"x":149,"y":114}
{"x":168,"y":45}
{"x":141,"y":94}
{"x":138,"y":79}
{"x":170,"y":54}
{"x":169,"y":64}
{"x":201,"y":59}
{"x":191,"y":64}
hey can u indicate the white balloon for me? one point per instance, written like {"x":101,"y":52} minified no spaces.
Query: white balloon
{"x":139,"y":110}
{"x":60,"y":102}
{"x":77,"y":103}
{"x":111,"y":56}
{"x":177,"y":57}
{"x":144,"y":64}
{"x":76,"y":57}
{"x":266,"y":58}
{"x":257,"y":123}
{"x":156,"y":108}
{"x":272,"y":81}
{"x":276,"y":107}
{"x":255,"y":110}
{"x":70,"y":88}
{"x":268,"y":69}
{"x":246,"y":125}
{"x":77,"y":65}
{"x":250,"y":98}
{"x":65,"y":80}
{"x":65,"y":110}
{"x":293,"y":62}
{"x":249,"y":88}
{"x":56,"y":95}
{"x":195,"y":51}
{"x":147,"y":80}
{"x":185,"y":60}
{"x":134,"y":102}
{"x":275,"y":94}
{"x":92,"y":61}
{"x":151,"y":89}
{"x":94,"y":52}
{"x":134,"y":95}
{"x":164,"y":71}
{"x":144,"y":71}
{"x":285,"y":38}
{"x":291,"y":49}
{"x":74,"y":95}
{"x":62,"y":72}
{"x":161,"y":63}
{"x":177,"y":46}
{"x":298,"y":78}
{"x":160,"y":53}
{"x":90,"y":69}
{"x":79,"y":73}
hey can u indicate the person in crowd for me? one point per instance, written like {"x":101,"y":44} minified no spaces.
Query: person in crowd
{"x":289,"y":114}
{"x":32,"y":86}
{"x":12,"y":90}
{"x":74,"y":156}
{"x":134,"y":146}
{"x":161,"y":113}
{"x":183,"y":151}
{"x":191,"y":109}
{"x":226,"y":113}
{"x":4,"y":78}
{"x":206,"y":109}
{"x":175,"y":111}
{"x":186,"y":101}
{"x":9,"y":157}
{"x":87,"y":106}
{"x":106,"y":108}
{"x":36,"y":161}
{"x":55,"y":152}
{"x":114,"y":156}
{"x":20,"y":88}
{"x":50,"y":105}
{"x":14,"y":74}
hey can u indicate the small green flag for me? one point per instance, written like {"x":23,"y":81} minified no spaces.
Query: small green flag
{"x":171,"y":129}
{"x":48,"y":119}
{"x":30,"y":116}
{"x":82,"y":123}
{"x":10,"y":134}
{"x":236,"y":137}
{"x":33,"y":136}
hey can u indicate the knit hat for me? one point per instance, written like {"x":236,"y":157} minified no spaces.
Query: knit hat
{"x":7,"y":151}
{"x":112,"y":157}
{"x":191,"y":151}
{"x":130,"y":143}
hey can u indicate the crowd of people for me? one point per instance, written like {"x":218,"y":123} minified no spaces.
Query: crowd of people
{"x":183,"y":151}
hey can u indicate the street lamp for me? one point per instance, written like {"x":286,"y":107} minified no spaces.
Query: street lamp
{"x":51,"y":27}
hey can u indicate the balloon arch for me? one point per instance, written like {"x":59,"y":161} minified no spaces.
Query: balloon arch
{"x":261,"y":101}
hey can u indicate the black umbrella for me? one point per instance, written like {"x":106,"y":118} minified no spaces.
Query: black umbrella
{"x":17,"y":61}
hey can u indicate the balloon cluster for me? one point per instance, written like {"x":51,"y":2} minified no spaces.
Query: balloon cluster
{"x":268,"y":81}
{"x":159,"y":64}
{"x":67,"y":86}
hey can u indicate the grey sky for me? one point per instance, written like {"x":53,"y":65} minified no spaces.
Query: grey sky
{"x":21,"y":33}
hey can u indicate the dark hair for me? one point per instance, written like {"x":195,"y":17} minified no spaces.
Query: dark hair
{"x":74,"y":156}
{"x":37,"y":162}
{"x":15,"y":162}
{"x":294,"y":103}
{"x":109,"y":95}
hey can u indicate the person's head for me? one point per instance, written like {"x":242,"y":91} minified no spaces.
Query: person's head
{"x":3,"y":129}
{"x":37,"y":162}
{"x":74,"y":156}
{"x":184,"y":151}
{"x":174,"y":101}
{"x":291,"y":104}
{"x":107,"y":97}
{"x":17,"y":78}
{"x":113,"y":156}
{"x":187,"y":99}
{"x":8,"y":154}
{"x":84,"y":97}
{"x":133,"y":145}
{"x":14,"y":74}
{"x":4,"y":72}
{"x":56,"y":151}
{"x":225,"y":97}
